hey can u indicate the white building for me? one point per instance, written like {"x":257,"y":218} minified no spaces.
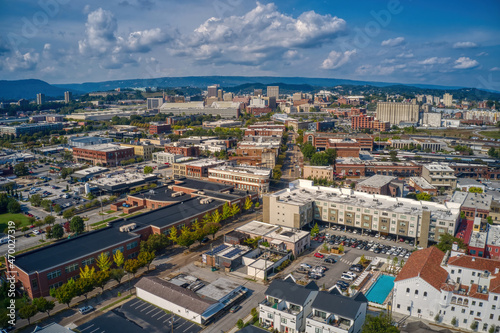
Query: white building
{"x":461,"y":289}
{"x":242,"y":177}
{"x":164,"y":157}
{"x":289,"y":307}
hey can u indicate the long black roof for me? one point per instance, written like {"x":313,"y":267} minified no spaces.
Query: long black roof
{"x":70,"y":249}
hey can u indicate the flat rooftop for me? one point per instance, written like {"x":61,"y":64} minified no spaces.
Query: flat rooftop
{"x":250,"y":170}
{"x":493,"y":235}
{"x":303,"y":192}
{"x":478,"y":239}
{"x":70,"y":249}
{"x":169,"y":215}
{"x":257,"y":228}
{"x":422,"y":183}
{"x":218,"y":289}
{"x":91,"y":171}
{"x":105,"y":147}
{"x":123,"y":178}
{"x":438,"y":167}
{"x":376,"y":181}
{"x":472,"y":200}
{"x":201,"y":185}
{"x":204,"y":162}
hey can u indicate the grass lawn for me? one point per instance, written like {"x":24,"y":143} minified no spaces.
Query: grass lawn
{"x":5,"y":218}
{"x":491,"y":134}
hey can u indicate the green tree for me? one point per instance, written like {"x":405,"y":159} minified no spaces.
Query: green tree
{"x":240,"y":323}
{"x":394,"y":156}
{"x":277,"y":173}
{"x":446,"y":241}
{"x":87,"y":272}
{"x":155,"y":242}
{"x":186,"y":238}
{"x":319,"y":159}
{"x":101,"y":278}
{"x":46,"y":205}
{"x":77,"y":225}
{"x":235,"y":209}
{"x":57,"y":231}
{"x":475,"y":189}
{"x":117,"y":274}
{"x":206,"y":219}
{"x":131,"y":266}
{"x":68,"y":214}
{"x":380,"y":324}
{"x":146,"y":258}
{"x":84,"y":286}
{"x":44,"y":305}
{"x":65,"y":172}
{"x":36,"y":200}
{"x":49,"y":219}
{"x":454,"y":321}
{"x":211,"y":228}
{"x":103,"y":262}
{"x":65,"y":293}
{"x":28,"y":311}
{"x":20,"y":169}
{"x":492,"y":329}
{"x":148,"y":170}
{"x":248,"y":204}
{"x":424,"y":196}
{"x":216,"y":217}
{"x":173,"y":236}
{"x":57,"y":209}
{"x":13,"y":206}
{"x":118,"y":258}
{"x":315,"y":230}
{"x":308,"y":150}
{"x":226,"y":211}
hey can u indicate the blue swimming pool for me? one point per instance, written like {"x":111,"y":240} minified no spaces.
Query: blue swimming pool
{"x":380,"y":289}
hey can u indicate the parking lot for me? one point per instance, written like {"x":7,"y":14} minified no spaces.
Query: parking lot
{"x":139,"y":316}
{"x":328,"y":272}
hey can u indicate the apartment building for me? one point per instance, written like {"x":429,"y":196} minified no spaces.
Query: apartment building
{"x":335,"y":313}
{"x":440,"y":176}
{"x":318,"y":172}
{"x":158,"y":128}
{"x":304,"y":203}
{"x":355,"y":167}
{"x":162,"y":157}
{"x":249,"y":178}
{"x":195,"y":168}
{"x":103,"y":155}
{"x":453,"y":286}
{"x":363,"y":121}
{"x":143,"y":150}
{"x":473,"y":204}
{"x":289,"y":307}
{"x":178,"y":149}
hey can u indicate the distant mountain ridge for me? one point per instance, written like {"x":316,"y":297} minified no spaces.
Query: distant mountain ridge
{"x":227,"y":82}
{"x":17,"y":89}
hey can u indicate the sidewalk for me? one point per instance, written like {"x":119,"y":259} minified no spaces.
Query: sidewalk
{"x":245,"y":320}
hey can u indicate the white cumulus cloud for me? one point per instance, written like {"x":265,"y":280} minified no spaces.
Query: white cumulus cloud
{"x":22,"y":62}
{"x":337,"y":59}
{"x":464,"y":45}
{"x":393,"y":41}
{"x":434,"y":61}
{"x":261,"y":34}
{"x":465,"y":63}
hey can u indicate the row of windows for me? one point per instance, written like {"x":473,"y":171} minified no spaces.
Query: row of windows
{"x":54,"y":274}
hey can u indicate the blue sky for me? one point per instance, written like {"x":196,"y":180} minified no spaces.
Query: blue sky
{"x":434,"y":42}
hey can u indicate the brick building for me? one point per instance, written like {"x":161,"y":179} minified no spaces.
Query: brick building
{"x":158,"y":128}
{"x":377,"y":184}
{"x":103,"y":155}
{"x":367,"y":122}
{"x":49,"y":267}
{"x":318,"y":172}
{"x":188,"y":151}
{"x":244,"y":178}
{"x":196,"y":168}
{"x":322,"y":140}
{"x":359,"y":168}
{"x":473,"y":204}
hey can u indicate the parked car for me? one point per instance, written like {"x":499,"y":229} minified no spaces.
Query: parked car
{"x":330,"y":260}
{"x":305,"y":266}
{"x":234,"y":308}
{"x":86,"y":309}
{"x":319,"y":255}
{"x":347,"y":277}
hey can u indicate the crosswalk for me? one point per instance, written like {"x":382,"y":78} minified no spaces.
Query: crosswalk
{"x":345,"y":261}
